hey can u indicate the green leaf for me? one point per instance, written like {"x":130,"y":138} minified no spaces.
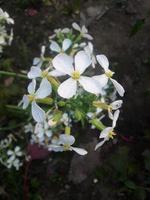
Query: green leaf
{"x":130,"y":184}
{"x":137,"y":27}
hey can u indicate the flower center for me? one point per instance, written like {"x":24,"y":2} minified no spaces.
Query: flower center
{"x":44,"y":73}
{"x":75,"y":75}
{"x":66,"y":147}
{"x":109,"y":73}
{"x":31,"y":98}
{"x":111,"y":134}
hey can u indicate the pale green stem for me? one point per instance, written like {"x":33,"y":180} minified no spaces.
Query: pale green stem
{"x":6,"y":73}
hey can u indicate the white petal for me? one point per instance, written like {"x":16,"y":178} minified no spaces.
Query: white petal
{"x":102,"y":80}
{"x":116,"y":115}
{"x":37,"y":112}
{"x":19,"y":153}
{"x":10,"y":152}
{"x":56,"y":148}
{"x":90,"y":85}
{"x":84,"y":29}
{"x":116,"y":104}
{"x":31,"y":87}
{"x":66,"y":44}
{"x":103,"y":61}
{"x":25,"y":101}
{"x":34,"y":72}
{"x":99,"y":144}
{"x":80,"y":151}
{"x":82,"y":61}
{"x":65,"y":30}
{"x":110,"y":115}
{"x":88,"y":36}
{"x":37,"y":62}
{"x":76,"y":26}
{"x":55,"y":47}
{"x":66,"y":139}
{"x":68,"y":88}
{"x":118,"y":87}
{"x":48,"y":133}
{"x":17,"y":148}
{"x":105,"y":132}
{"x":90,"y":45}
{"x":63,"y":63}
{"x":56,"y":73}
{"x":44,"y":90}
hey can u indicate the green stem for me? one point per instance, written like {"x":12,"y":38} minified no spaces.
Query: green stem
{"x":6,"y":73}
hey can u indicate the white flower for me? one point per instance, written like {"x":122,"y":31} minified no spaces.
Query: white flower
{"x":43,"y":91}
{"x":13,"y":158}
{"x":108,"y":133}
{"x":103,"y":79}
{"x":65,"y":119}
{"x":114,"y":106}
{"x":83,"y":31}
{"x":64,"y":64}
{"x":38,"y":61}
{"x":42,"y":131}
{"x":65,"y":144}
{"x":5,"y":16}
{"x":28,"y":128}
{"x":89,"y":50}
{"x":54,"y":46}
{"x":58,"y":31}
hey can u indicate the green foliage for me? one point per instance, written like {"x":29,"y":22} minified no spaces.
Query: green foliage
{"x":123,"y":170}
{"x":137,"y":26}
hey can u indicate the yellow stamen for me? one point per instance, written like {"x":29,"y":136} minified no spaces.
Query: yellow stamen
{"x":75,"y":75}
{"x":66,"y":147}
{"x":31,"y":98}
{"x":109,"y":73}
{"x":111,"y":134}
{"x":44,"y":73}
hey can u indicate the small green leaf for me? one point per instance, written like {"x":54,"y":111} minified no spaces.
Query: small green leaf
{"x":130,"y":184}
{"x":137,"y":27}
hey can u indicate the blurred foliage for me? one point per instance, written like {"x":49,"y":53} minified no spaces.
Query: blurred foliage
{"x":126,"y":173}
{"x":137,"y":26}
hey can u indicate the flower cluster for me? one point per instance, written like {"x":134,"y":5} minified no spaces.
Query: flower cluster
{"x":64,"y":89}
{"x":10,"y":156}
{"x":5,"y":36}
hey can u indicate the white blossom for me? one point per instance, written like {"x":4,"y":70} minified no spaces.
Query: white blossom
{"x":13,"y":159}
{"x":65,"y":143}
{"x":5,"y":16}
{"x":65,"y":119}
{"x":43,"y":91}
{"x":108,"y":132}
{"x":54,"y":46}
{"x":42,"y":131}
{"x":89,"y":50}
{"x":64,"y":64}
{"x":83,"y":31}
{"x":103,"y":79}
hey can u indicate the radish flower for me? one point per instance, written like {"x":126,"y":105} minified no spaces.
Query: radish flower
{"x":54,"y":46}
{"x":108,"y":133}
{"x":83,"y":31}
{"x":65,"y":144}
{"x":103,"y":79}
{"x":64,"y":64}
{"x":43,"y":91}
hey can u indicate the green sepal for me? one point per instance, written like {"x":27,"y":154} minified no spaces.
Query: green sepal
{"x":46,"y":100}
{"x":98,"y":124}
